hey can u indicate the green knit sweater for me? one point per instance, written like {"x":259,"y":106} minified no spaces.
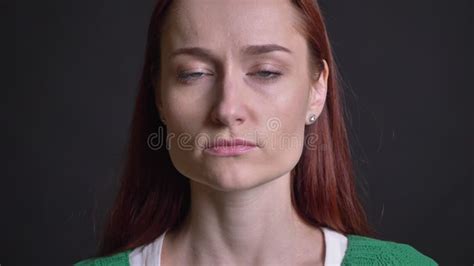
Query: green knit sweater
{"x":360,"y":251}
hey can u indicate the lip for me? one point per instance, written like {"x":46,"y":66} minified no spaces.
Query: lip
{"x":230,"y":147}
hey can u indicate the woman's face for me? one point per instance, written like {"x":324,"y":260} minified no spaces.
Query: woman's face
{"x":236,"y":69}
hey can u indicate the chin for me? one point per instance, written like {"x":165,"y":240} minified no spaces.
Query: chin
{"x":234,"y":180}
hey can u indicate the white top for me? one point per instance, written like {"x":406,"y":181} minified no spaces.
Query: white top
{"x":150,"y":254}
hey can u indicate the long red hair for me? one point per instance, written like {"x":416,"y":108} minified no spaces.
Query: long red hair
{"x":154,"y":196}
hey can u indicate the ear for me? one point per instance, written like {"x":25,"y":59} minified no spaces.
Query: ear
{"x":158,"y":101}
{"x":318,"y":92}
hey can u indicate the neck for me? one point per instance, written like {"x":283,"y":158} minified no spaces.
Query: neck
{"x":253,"y":226}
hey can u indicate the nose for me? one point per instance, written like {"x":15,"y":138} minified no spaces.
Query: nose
{"x":228,"y":108}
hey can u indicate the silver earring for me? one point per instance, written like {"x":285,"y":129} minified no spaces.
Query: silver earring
{"x":312,"y":118}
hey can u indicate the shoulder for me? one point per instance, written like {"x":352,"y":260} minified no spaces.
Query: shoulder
{"x":119,"y":259}
{"x":365,"y":250}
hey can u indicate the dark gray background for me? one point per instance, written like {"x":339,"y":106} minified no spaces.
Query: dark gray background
{"x":71,"y":68}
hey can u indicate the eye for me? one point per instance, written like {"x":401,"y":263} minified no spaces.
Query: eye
{"x":266,"y":74}
{"x":189,"y":76}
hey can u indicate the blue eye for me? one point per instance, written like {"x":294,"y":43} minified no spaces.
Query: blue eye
{"x":190,"y":76}
{"x":267,"y":75}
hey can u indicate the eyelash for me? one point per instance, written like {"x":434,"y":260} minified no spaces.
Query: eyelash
{"x":186,"y":77}
{"x":273,"y":74}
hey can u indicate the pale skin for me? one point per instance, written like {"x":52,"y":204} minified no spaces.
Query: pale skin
{"x":241,"y":211}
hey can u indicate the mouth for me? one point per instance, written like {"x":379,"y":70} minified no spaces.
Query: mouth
{"x":231,"y":142}
{"x":230,"y":147}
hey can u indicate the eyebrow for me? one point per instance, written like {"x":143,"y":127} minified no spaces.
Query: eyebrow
{"x":247,"y":50}
{"x":263,"y":49}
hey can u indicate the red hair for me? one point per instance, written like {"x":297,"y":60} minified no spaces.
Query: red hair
{"x":154,"y":196}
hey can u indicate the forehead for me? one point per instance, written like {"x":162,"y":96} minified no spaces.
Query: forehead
{"x":231,"y":23}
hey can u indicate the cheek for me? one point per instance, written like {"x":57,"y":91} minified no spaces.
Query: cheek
{"x":286,"y":141}
{"x":184,"y":114}
{"x":181,"y":158}
{"x":285,"y":129}
{"x":290,"y":112}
